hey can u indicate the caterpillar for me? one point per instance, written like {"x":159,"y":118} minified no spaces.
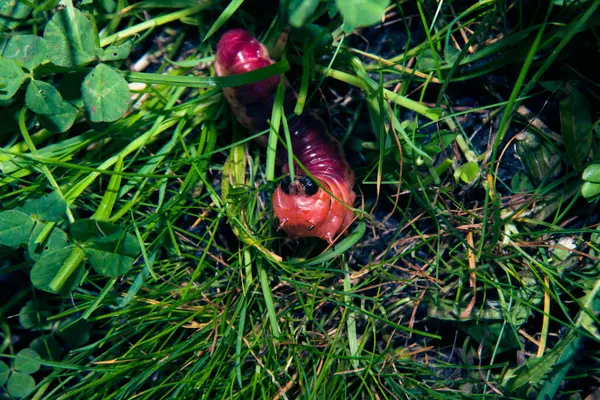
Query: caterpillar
{"x":304,"y":207}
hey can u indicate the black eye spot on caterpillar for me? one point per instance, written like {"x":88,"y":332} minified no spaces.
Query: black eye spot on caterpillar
{"x":302,"y":185}
{"x":302,"y":209}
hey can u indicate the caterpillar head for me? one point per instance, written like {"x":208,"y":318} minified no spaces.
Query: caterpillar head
{"x":306,"y":210}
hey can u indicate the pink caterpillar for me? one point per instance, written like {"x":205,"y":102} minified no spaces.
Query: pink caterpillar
{"x":302,"y":206}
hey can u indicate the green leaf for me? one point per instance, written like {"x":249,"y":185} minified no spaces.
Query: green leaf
{"x":592,"y":173}
{"x":20,"y":384}
{"x":451,"y":54}
{"x":116,"y":51}
{"x":4,"y":372}
{"x":439,"y":142}
{"x":59,"y":123}
{"x":48,"y":208}
{"x":43,"y":98}
{"x":108,"y":263}
{"x":589,"y":189}
{"x":224,"y":17}
{"x":301,"y":10}
{"x":314,"y":34}
{"x":75,"y":333}
{"x":15,"y":228}
{"x":110,"y":250}
{"x":12,"y":13}
{"x":70,"y":38}
{"x":558,"y":87}
{"x":70,"y":89}
{"x":105,"y":94}
{"x":34,"y":315}
{"x":109,"y":5}
{"x":25,"y":361}
{"x":361,"y":12}
{"x":426,"y":60}
{"x":11,"y":78}
{"x":106,"y":236}
{"x":28,"y":50}
{"x":56,"y":240}
{"x":47,"y":347}
{"x":467,"y":172}
{"x":59,"y":271}
{"x":521,"y":183}
{"x":332,"y":9}
{"x":576,"y":123}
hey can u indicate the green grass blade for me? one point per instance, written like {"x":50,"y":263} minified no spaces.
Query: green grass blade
{"x":223,"y":18}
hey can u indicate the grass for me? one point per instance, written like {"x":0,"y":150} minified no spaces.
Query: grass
{"x":470,"y":272}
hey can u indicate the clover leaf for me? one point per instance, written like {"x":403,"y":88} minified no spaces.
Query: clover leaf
{"x":70,"y":37}
{"x":28,"y":50}
{"x":11,"y":78}
{"x":105,"y":94}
